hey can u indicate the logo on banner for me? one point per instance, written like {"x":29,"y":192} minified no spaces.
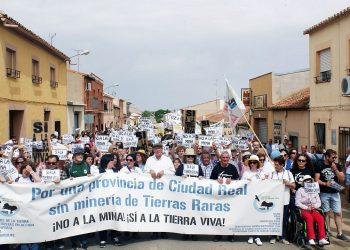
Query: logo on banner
{"x":263,"y":203}
{"x":7,"y":208}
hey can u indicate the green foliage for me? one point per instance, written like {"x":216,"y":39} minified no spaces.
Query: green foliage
{"x":160,"y":113}
{"x":146,"y":113}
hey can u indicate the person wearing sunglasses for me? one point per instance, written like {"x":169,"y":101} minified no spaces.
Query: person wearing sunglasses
{"x":329,"y":175}
{"x":52,"y":163}
{"x":287,"y":178}
{"x":131,"y":166}
{"x":253,"y":174}
{"x":189,"y":159}
{"x":301,"y":166}
{"x":310,"y":203}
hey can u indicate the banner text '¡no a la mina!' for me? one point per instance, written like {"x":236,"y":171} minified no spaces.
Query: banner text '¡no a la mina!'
{"x":126,"y":201}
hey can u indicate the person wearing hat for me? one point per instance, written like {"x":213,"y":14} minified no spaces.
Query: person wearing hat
{"x":140,"y":159}
{"x":244,"y":167}
{"x":184,"y":169}
{"x":157,"y":166}
{"x":252,"y":173}
{"x":289,"y":184}
{"x":310,"y":203}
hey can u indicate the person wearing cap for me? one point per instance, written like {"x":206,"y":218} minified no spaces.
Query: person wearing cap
{"x":78,"y":168}
{"x":244,"y":167}
{"x":189,"y":160}
{"x":289,"y":184}
{"x":253,"y":174}
{"x":310,"y":203}
{"x":157,"y":166}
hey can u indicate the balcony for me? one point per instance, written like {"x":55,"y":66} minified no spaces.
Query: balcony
{"x":13,"y":73}
{"x":325,"y":76}
{"x":53,"y":84}
{"x":37,"y":79}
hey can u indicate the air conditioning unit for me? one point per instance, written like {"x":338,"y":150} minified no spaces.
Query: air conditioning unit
{"x":345,"y":86}
{"x":88,"y":86}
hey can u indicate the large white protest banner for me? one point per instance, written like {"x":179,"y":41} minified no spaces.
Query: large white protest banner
{"x":129,"y":202}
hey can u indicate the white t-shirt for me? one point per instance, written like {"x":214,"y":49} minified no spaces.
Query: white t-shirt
{"x":164,"y":163}
{"x":267,"y":168}
{"x":22,"y":179}
{"x":284,"y":175}
{"x":252,"y":176}
{"x":135,"y":170}
{"x":348,"y":167}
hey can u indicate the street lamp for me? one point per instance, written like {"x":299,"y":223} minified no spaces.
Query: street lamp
{"x":80,"y":52}
{"x":111,"y":86}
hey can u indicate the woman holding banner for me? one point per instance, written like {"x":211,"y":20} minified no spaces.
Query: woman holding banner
{"x":107,"y":165}
{"x":253,"y":173}
{"x":286,"y":176}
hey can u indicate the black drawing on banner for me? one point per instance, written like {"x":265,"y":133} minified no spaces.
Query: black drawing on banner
{"x":264,"y":205}
{"x":10,"y":208}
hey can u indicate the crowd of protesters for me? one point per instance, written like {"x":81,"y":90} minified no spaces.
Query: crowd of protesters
{"x":223,"y":165}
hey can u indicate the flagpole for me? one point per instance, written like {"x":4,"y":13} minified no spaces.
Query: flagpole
{"x":227,"y":82}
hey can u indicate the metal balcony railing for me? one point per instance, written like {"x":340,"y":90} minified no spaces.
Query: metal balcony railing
{"x":37,"y":79}
{"x":13,"y":73}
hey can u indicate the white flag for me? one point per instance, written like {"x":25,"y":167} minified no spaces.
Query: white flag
{"x":234,"y":107}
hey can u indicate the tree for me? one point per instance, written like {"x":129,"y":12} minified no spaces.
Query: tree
{"x":146,"y":113}
{"x":160,"y":113}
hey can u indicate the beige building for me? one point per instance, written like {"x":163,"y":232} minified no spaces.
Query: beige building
{"x":291,"y":117}
{"x":329,"y":55}
{"x":75,"y":101}
{"x":108,"y":112}
{"x":206,"y":108}
{"x":268,"y":89}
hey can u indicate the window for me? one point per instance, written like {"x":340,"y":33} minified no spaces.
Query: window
{"x":324,"y":68}
{"x":320,"y":129}
{"x":11,"y":64}
{"x":35,"y":72}
{"x":53,"y":82}
{"x":105,"y":108}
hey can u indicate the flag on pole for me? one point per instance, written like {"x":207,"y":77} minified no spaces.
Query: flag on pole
{"x":234,"y":107}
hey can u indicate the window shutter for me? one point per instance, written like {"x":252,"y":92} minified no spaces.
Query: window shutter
{"x":325,"y":60}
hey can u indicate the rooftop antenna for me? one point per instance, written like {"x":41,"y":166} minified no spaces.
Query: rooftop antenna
{"x":51,"y":37}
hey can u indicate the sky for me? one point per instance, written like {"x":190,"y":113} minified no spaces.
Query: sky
{"x":174,"y":53}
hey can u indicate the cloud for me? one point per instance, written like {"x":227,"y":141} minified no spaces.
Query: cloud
{"x":170,"y":54}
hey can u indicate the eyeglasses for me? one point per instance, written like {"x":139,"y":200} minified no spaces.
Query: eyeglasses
{"x":293,"y":153}
{"x":334,"y":157}
{"x":129,"y":160}
{"x":299,"y":160}
{"x":262,"y":159}
{"x":20,"y":162}
{"x":253,"y":162}
{"x":190,"y":156}
{"x":283,"y":155}
{"x":50,"y":163}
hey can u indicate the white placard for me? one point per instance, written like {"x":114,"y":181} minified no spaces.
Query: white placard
{"x":67,"y":139}
{"x":50,"y":175}
{"x":312,"y":188}
{"x":61,"y":153}
{"x":85,"y":139}
{"x":275,"y":147}
{"x":166,"y":150}
{"x":102,"y":142}
{"x":205,"y":140}
{"x":191,"y":170}
{"x":188,"y":140}
{"x":172,"y":118}
{"x":240,"y":143}
{"x":130,"y":141}
{"x":145,"y":123}
{"x":76,"y":146}
{"x":7,"y":169}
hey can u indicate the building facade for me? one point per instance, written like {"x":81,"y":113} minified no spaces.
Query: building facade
{"x":108,"y":112}
{"x":93,"y":100}
{"x":329,"y":56}
{"x":33,"y":82}
{"x":266,"y":90}
{"x":75,"y":101}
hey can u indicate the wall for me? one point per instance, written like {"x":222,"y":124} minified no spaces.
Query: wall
{"x":22,"y":94}
{"x":207,"y":108}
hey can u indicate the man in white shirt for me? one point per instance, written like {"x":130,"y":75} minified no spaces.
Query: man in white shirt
{"x":159,"y":164}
